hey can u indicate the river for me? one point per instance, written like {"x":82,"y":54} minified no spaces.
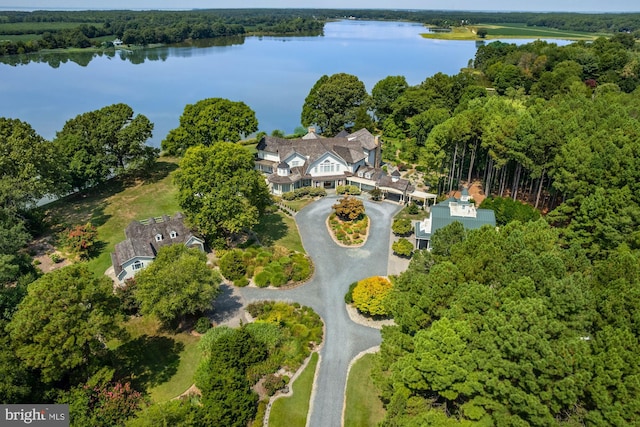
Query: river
{"x":272,"y":75}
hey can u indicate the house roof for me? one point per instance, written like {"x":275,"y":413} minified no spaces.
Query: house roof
{"x":349,"y":147}
{"x":441,"y":216}
{"x":141,"y":238}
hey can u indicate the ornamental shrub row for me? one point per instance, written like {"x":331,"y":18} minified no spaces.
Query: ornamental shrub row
{"x":303,"y":192}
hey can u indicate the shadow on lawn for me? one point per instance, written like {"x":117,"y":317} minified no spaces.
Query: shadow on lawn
{"x":270,"y":229}
{"x":149,"y":360}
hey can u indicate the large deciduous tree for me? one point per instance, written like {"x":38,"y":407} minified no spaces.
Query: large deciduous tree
{"x":64,"y":322}
{"x":384,"y":94}
{"x":209,"y":121}
{"x":333,"y":103}
{"x":104,"y":142}
{"x":178,"y":283}
{"x":219,"y":191}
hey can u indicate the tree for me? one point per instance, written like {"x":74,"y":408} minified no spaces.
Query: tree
{"x":177,"y":283}
{"x":63,"y":323}
{"x":333,"y":103}
{"x":219,"y":191}
{"x":81,"y":240}
{"x":402,"y":247}
{"x":482,"y":33}
{"x":370,"y":294}
{"x":98,"y":144}
{"x":384,"y":94}
{"x":210,"y":121}
{"x":349,"y":208}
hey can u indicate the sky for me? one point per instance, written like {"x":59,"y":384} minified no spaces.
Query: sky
{"x":488,"y":5}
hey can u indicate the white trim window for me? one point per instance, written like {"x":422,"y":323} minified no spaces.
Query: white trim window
{"x":158,"y":237}
{"x":137,"y":265}
{"x":173,"y":235}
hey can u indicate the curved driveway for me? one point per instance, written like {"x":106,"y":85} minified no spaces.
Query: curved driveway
{"x":335,"y":269}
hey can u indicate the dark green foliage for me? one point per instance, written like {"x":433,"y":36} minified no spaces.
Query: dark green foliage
{"x":508,"y":210}
{"x":173,"y":413}
{"x":210,"y":121}
{"x":444,"y":238}
{"x":203,"y":325}
{"x":376,"y":194}
{"x":348,"y":189}
{"x":413,"y":209}
{"x":99,"y":143}
{"x":272,"y":383}
{"x":219,"y":191}
{"x":348,"y":297}
{"x":302,"y":192}
{"x":61,"y":325}
{"x":126,"y":294}
{"x":334,"y":102}
{"x":232,"y":265}
{"x":503,"y":326}
{"x":177,"y":283}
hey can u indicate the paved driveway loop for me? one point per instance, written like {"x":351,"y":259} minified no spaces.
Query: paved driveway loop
{"x":335,"y":269}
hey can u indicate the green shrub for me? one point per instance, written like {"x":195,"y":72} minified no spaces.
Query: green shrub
{"x":203,"y":325}
{"x":241,"y":282}
{"x":370,"y":294}
{"x":260,"y":414}
{"x":348,"y":297}
{"x":401,"y":227}
{"x":278,"y":279}
{"x":402,"y":247}
{"x":376,"y":194}
{"x":507,"y":210}
{"x":232,"y":265}
{"x":272,"y":383}
{"x":413,"y":209}
{"x":290,"y":195}
{"x":262,"y":279}
{"x":56,"y":258}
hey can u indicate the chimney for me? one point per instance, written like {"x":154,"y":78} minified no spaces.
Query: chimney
{"x":378,"y":154}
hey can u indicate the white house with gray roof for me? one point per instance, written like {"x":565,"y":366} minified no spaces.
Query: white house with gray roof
{"x":314,"y":161}
{"x":145,"y":238}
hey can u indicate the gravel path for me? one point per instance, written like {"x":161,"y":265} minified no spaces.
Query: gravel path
{"x":335,"y":269}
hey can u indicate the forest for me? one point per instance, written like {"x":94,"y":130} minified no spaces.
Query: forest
{"x":33,"y":31}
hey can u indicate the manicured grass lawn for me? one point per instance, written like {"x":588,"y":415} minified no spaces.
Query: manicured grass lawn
{"x":160,"y":362}
{"x":292,"y":411}
{"x":404,"y":214}
{"x":299,"y":203}
{"x":113,"y":205}
{"x":279,"y":229}
{"x":362,"y":407}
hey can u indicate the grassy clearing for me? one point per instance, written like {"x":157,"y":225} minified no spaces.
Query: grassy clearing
{"x":279,"y":229}
{"x":298,"y":203}
{"x":160,"y":362}
{"x":292,"y":411}
{"x":512,"y":31}
{"x":113,"y":205}
{"x":362,"y":407}
{"x":404,"y":214}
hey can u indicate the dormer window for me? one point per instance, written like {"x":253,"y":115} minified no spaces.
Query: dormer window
{"x":173,"y":235}
{"x":158,"y":237}
{"x":137,"y":265}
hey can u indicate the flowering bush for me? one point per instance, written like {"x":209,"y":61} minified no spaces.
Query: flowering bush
{"x":81,"y":240}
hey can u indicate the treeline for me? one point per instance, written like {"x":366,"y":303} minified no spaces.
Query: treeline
{"x":150,"y":27}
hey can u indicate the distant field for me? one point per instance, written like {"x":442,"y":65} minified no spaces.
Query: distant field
{"x":512,"y":31}
{"x":22,"y":37}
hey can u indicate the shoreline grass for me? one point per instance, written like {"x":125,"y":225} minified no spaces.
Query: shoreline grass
{"x":511,"y":31}
{"x":292,"y":411}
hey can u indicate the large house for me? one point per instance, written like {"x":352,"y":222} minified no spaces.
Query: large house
{"x":449,"y":211}
{"x":315,"y":161}
{"x":145,"y":238}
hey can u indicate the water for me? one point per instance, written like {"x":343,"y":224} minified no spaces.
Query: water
{"x":272,"y":75}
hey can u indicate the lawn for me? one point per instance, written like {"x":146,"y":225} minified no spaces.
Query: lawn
{"x":404,"y":214}
{"x":292,"y":411}
{"x":512,"y":31}
{"x":279,"y":229}
{"x":160,"y":362}
{"x":363,"y":408}
{"x":113,"y":205}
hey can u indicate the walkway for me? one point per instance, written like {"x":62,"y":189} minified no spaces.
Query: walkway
{"x":335,"y":269}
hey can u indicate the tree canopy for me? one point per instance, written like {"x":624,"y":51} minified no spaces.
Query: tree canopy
{"x":98,"y":144}
{"x":210,"y":121}
{"x":334,"y":102}
{"x":219,"y":191}
{"x":509,"y":326}
{"x":177,"y":283}
{"x":63,"y":323}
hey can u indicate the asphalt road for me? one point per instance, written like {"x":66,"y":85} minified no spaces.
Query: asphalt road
{"x":335,"y":269}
